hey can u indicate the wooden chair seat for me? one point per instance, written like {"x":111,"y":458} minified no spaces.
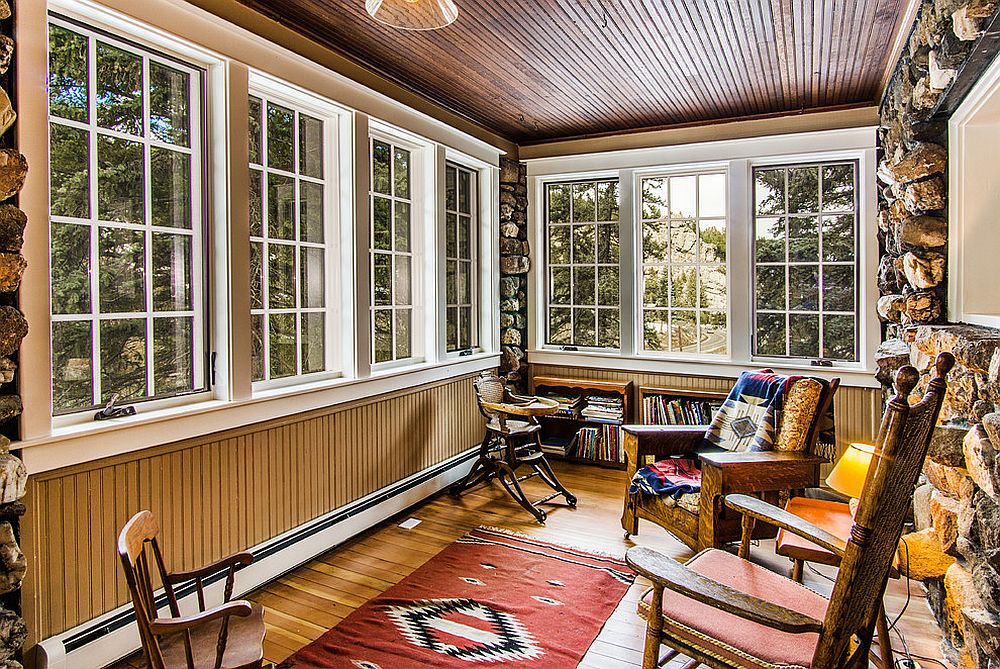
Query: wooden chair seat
{"x":737,"y":640}
{"x":244,"y":649}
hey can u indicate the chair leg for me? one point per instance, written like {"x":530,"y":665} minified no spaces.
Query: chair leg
{"x":508,"y":479}
{"x":797,"y":571}
{"x":630,"y":521}
{"x":654,"y":630}
{"x":482,"y":470}
{"x":544,"y":470}
{"x":884,"y":640}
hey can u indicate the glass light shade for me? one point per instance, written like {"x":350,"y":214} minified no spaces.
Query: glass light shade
{"x":413,"y":14}
{"x":848,"y":475}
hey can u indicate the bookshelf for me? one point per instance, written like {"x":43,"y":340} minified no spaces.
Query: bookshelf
{"x":588,"y":426}
{"x":673,"y":406}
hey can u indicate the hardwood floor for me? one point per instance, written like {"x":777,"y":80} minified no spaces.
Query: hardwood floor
{"x":305,"y":603}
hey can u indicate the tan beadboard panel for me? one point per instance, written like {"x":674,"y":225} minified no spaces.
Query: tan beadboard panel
{"x":857,"y":410}
{"x":228,"y":491}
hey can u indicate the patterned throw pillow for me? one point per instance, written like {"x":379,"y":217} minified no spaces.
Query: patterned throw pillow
{"x":796,"y":418}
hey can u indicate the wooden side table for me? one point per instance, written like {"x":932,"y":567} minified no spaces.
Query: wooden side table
{"x":835,"y":518}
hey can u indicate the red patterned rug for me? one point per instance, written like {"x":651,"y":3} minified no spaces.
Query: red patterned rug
{"x":492,"y":598}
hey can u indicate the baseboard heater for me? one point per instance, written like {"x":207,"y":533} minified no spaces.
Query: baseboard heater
{"x":114,"y":635}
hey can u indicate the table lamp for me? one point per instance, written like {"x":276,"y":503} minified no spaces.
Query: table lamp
{"x":849,"y":474}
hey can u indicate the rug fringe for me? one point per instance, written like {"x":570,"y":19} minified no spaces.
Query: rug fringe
{"x":597,"y":552}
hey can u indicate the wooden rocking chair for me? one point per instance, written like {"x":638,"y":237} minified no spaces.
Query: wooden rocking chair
{"x":725,"y":611}
{"x":228,"y":636}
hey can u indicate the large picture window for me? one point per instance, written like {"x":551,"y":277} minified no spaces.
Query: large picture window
{"x":583,"y":264}
{"x":290,"y":241}
{"x":126,"y":221}
{"x":391,"y":252}
{"x":805,"y":252}
{"x":461,"y":246}
{"x":684,"y":264}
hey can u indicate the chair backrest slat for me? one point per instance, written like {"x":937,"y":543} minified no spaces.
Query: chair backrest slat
{"x":901,"y":447}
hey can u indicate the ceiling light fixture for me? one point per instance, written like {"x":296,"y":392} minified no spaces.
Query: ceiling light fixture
{"x":413,"y":14}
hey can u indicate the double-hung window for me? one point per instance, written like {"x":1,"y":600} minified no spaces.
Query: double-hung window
{"x":805,"y":261}
{"x":293,"y":243}
{"x":461,"y":257}
{"x":126,"y":221}
{"x":684,"y":264}
{"x":583,"y":264}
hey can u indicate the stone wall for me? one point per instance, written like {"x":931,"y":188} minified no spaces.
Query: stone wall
{"x":955,"y":549}
{"x":515,"y":262}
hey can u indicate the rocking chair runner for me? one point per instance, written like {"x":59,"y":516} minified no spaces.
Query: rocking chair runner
{"x":512,"y":440}
{"x":228,"y":636}
{"x":725,"y":611}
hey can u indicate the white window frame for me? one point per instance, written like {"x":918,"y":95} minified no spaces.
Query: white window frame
{"x":738,"y":158}
{"x":268,"y":89}
{"x":198,"y":232}
{"x":475,"y":285}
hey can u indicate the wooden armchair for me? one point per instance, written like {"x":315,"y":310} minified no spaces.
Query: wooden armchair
{"x":228,"y":636}
{"x":725,"y":611}
{"x":703,"y":522}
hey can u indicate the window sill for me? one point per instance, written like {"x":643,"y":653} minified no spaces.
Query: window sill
{"x":90,"y":441}
{"x":850,"y":375}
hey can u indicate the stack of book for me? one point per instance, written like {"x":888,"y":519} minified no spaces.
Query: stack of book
{"x":557,"y":445}
{"x":603,"y":409}
{"x":660,"y":410}
{"x":569,"y":405}
{"x":600,"y":443}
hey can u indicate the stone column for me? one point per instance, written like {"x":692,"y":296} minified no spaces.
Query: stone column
{"x":515,"y":262}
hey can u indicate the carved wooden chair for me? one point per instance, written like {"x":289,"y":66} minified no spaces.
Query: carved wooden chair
{"x":512,"y":439}
{"x":700,"y":520}
{"x":725,"y":611}
{"x":228,"y":636}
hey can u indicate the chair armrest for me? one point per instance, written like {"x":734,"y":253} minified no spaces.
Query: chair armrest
{"x":665,"y":440}
{"x":760,"y":471}
{"x":668,"y":573}
{"x":235,"y":560}
{"x":161,"y":626}
{"x":761,"y":510}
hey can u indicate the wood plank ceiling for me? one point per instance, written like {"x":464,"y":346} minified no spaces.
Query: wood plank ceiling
{"x":535,"y":70}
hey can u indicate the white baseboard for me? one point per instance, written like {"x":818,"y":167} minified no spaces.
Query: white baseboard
{"x":114,"y":635}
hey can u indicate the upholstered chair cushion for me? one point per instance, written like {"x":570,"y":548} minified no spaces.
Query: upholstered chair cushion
{"x":735,"y":639}
{"x":797,"y":414}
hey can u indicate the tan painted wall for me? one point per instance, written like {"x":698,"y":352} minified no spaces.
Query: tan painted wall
{"x":226,"y":492}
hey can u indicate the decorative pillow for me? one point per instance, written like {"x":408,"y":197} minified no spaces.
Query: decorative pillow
{"x":796,"y":417}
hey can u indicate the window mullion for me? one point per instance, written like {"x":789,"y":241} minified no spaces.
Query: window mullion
{"x":630,"y":262}
{"x":739,"y":262}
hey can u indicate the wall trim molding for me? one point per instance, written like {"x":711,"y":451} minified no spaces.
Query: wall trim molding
{"x":114,"y":635}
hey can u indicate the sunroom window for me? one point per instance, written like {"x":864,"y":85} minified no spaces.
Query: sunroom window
{"x":461,"y":257}
{"x":126,"y":221}
{"x":805,"y":261}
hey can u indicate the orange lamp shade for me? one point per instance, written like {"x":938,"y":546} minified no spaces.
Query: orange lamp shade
{"x":848,"y":475}
{"x":413,"y":14}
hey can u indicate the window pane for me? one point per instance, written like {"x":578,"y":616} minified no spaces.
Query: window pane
{"x":69,"y":171}
{"x":683,"y":331}
{"x":281,"y":276}
{"x":839,"y":337}
{"x":713,"y":241}
{"x":838,"y":238}
{"x":607,"y":243}
{"x":256,"y":275}
{"x":382,"y":285}
{"x":583,"y":285}
{"x":770,"y":240}
{"x":607,"y":201}
{"x":559,"y":244}
{"x":607,"y":286}
{"x":310,"y":146}
{"x":656,"y":242}
{"x":583,"y":243}
{"x":584,"y":203}
{"x":119,"y":89}
{"x":450,"y":189}
{"x":803,"y":190}
{"x":122,"y":270}
{"x":311,"y":212}
{"x":120,"y":180}
{"x":608,"y":329}
{"x":655,"y":198}
{"x":72,"y":373}
{"x":382,"y":338}
{"x":803,"y":288}
{"x":584,"y":327}
{"x":465,"y":327}
{"x":281,"y":342}
{"x":312,"y":267}
{"x":402,"y":279}
{"x":770,"y":288}
{"x":713,"y":287}
{"x":838,"y":288}
{"x":401,"y":227}
{"x":771,"y":334}
{"x":69,"y":251}
{"x":684,"y":287}
{"x":712,"y":195}
{"x":257,"y":347}
{"x":380,"y":167}
{"x":168,"y":104}
{"x":464,"y":192}
{"x":559,"y":197}
{"x":403,"y":343}
{"x":382,"y":216}
{"x":401,"y":173}
{"x":171,"y":188}
{"x":560,"y":327}
{"x":254,"y":127}
{"x":451,"y":336}
{"x":803,"y":239}
{"x":171,"y":272}
{"x":559,"y":290}
{"x":256,"y":204}
{"x":769,"y":189}
{"x":123,"y":358}
{"x":451,"y":281}
{"x":714,"y":332}
{"x":684,"y":241}
{"x":451,"y":235}
{"x":280,"y":207}
{"x":655,"y":330}
{"x":656,"y":291}
{"x":838,"y":188}
{"x":803,"y":335}
{"x":464,"y":242}
{"x":280,"y":132}
{"x":313,"y":342}
{"x":173,"y":371}
{"x":683,"y":194}
{"x":68,"y":79}
{"x":465,"y":295}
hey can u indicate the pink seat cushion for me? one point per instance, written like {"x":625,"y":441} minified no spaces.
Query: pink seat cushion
{"x":730,"y":636}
